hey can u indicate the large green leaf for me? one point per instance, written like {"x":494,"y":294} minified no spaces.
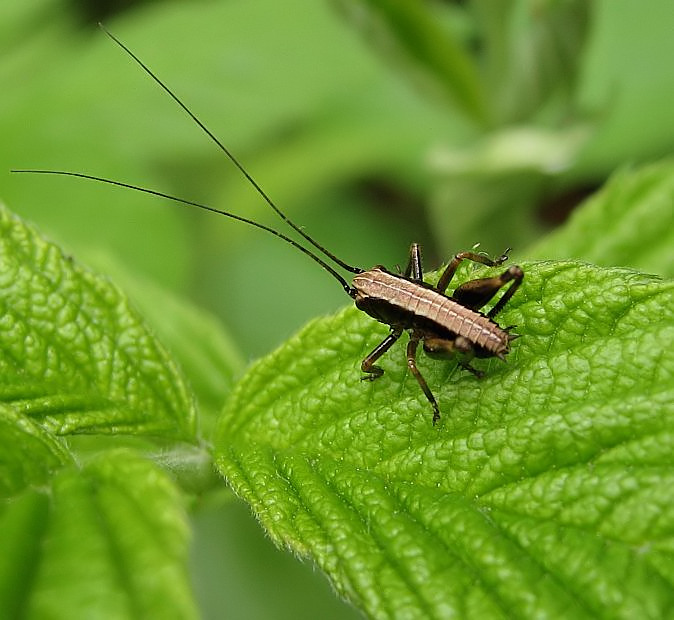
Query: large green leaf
{"x":545,"y":490}
{"x":74,"y":356}
{"x":108,"y":541}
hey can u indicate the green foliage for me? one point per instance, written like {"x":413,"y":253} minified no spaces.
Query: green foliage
{"x":108,"y":540}
{"x":556,"y":94}
{"x":415,"y":32}
{"x":557,"y":459}
{"x":205,"y":352}
{"x":630,"y":223}
{"x":30,"y":454}
{"x":76,"y":357}
{"x":513,"y":61}
{"x":544,"y":489}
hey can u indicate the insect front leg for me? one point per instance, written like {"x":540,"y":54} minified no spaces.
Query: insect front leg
{"x":450,"y":270}
{"x":476,"y":293}
{"x":412,"y":365}
{"x":368,"y":364}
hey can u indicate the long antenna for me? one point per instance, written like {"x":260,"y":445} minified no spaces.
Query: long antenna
{"x":231,"y":157}
{"x":238,"y":218}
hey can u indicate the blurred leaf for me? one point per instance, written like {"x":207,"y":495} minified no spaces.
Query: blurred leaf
{"x":28,"y":454}
{"x":73,"y":355}
{"x":22,"y":525}
{"x":499,"y":216}
{"x":518,"y":57}
{"x":630,"y":222}
{"x":534,"y":53}
{"x":628,"y":86}
{"x":412,"y":31}
{"x":501,"y":177}
{"x":109,"y":541}
{"x":239,"y":573}
{"x":559,"y":459}
{"x":492,"y":36}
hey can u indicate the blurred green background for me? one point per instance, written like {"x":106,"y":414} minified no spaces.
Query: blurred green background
{"x":372,"y":123}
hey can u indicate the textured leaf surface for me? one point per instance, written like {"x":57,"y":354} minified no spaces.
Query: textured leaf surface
{"x":109,"y":541}
{"x":195,"y":338}
{"x":74,"y":355}
{"x":629,"y":222}
{"x":545,"y":490}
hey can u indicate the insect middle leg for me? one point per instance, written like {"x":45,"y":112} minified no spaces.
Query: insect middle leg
{"x":476,"y":293}
{"x":412,"y":365}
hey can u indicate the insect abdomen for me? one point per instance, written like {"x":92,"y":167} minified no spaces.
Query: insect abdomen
{"x":377,"y":288}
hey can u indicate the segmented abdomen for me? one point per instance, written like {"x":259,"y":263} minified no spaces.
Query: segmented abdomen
{"x":424,"y":302}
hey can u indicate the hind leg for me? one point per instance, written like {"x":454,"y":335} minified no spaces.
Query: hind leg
{"x":412,"y":365}
{"x":476,"y":293}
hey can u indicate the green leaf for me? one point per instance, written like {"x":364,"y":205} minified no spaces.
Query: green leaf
{"x":195,"y":338}
{"x":74,"y":356}
{"x":533,"y":54}
{"x":545,"y":490}
{"x":413,"y":31}
{"x":28,"y":454}
{"x":502,"y":178}
{"x":206,"y":353}
{"x":109,"y":541}
{"x":22,"y":526}
{"x":629,"y":222}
